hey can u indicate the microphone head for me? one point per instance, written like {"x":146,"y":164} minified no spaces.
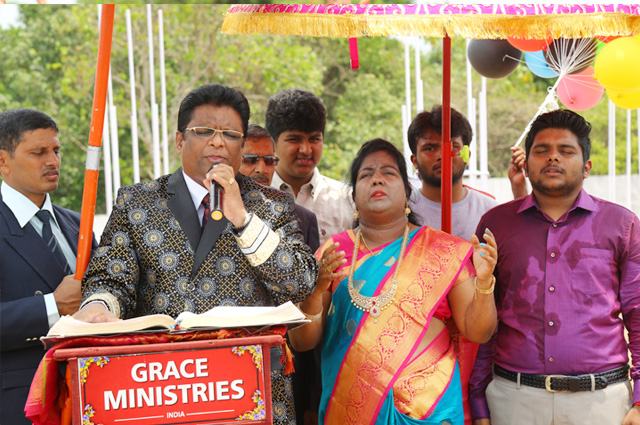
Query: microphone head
{"x":216,"y":215}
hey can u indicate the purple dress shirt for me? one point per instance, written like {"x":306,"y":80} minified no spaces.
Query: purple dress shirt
{"x":561,"y":288}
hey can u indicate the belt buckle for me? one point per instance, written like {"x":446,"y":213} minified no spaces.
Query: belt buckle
{"x":547,"y":383}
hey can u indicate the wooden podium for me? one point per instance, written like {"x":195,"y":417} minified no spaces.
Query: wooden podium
{"x":222,"y":381}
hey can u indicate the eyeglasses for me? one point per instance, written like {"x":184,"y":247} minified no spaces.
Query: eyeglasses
{"x":253,"y":159}
{"x":209,"y":133}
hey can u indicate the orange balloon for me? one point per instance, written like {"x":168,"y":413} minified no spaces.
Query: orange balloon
{"x":529,"y":44}
{"x":607,"y":38}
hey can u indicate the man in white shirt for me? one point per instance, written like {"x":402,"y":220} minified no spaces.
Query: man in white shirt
{"x":425,"y":142}
{"x":36,"y":275}
{"x":296,"y":120}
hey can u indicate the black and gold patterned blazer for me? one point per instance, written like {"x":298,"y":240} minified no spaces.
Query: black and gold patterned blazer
{"x":154,"y":258}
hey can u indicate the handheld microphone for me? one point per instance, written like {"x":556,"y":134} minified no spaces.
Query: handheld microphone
{"x":215,"y":196}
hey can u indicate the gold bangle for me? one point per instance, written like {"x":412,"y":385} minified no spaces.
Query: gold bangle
{"x":484,"y":291}
{"x":311,"y":317}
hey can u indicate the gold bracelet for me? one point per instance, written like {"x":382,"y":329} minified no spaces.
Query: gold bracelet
{"x":484,"y":291}
{"x":311,"y":317}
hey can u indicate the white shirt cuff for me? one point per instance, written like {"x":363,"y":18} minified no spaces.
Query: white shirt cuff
{"x":52,"y":309}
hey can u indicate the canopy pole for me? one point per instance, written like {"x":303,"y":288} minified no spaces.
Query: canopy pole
{"x":445,"y":200}
{"x":92,"y":166}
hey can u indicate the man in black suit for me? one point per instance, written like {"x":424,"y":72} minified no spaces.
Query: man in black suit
{"x":259,"y":162}
{"x":37,"y":285}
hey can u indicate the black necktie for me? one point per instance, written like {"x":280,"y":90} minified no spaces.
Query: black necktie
{"x":50,"y":239}
{"x":206,"y":203}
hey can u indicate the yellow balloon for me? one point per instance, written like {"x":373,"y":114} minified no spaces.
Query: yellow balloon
{"x":617,"y":65}
{"x":629,"y":100}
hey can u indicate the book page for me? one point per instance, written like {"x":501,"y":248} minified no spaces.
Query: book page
{"x":233,"y":317}
{"x":217,"y":318}
{"x":67,"y":326}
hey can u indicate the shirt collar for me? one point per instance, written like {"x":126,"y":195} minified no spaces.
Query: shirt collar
{"x":22,"y":207}
{"x":196,"y":190}
{"x":278,"y":183}
{"x":313,"y":184}
{"x":583,"y":201}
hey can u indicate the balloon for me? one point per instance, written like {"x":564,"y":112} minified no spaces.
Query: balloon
{"x":580,"y":91}
{"x":493,"y":58}
{"x":607,"y":38}
{"x":571,"y":55}
{"x":618,"y":63}
{"x":628,"y":100}
{"x":536,"y":63}
{"x":529,"y":45}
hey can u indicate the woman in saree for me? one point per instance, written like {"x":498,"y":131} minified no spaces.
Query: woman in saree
{"x":395,"y":306}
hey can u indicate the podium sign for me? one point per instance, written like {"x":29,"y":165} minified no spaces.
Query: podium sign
{"x":199,"y":382}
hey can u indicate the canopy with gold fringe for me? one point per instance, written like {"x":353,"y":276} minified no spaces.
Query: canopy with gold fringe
{"x":475,"y":21}
{"x":490,"y":21}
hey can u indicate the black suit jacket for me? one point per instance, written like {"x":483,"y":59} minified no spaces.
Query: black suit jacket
{"x":307,"y":381}
{"x":28,"y":270}
{"x":308,"y":223}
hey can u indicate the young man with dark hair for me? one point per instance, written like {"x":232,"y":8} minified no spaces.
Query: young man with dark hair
{"x":38,"y":247}
{"x":568,"y":285}
{"x":296,"y":120}
{"x":161,"y":251}
{"x":425,"y":142}
{"x":259,"y":162}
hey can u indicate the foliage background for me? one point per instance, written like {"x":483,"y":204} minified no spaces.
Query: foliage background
{"x":48,"y":63}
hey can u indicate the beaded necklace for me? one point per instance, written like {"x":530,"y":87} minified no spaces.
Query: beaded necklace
{"x":375,"y":305}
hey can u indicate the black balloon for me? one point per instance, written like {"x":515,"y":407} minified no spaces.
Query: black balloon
{"x":571,"y":55}
{"x":493,"y":58}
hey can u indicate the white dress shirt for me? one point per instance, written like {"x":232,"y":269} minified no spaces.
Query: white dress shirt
{"x":329,"y":199}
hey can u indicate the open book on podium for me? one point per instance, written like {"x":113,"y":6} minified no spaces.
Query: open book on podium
{"x":221,"y":317}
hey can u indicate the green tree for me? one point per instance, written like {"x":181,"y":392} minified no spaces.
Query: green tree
{"x":37,"y":72}
{"x":48,"y":63}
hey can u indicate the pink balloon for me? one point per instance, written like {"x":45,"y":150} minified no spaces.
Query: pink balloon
{"x":580,"y":91}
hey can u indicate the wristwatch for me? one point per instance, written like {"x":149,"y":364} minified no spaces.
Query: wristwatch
{"x":247,"y":219}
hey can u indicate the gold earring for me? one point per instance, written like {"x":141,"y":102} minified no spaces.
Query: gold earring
{"x":356,"y":214}
{"x":407,"y":210}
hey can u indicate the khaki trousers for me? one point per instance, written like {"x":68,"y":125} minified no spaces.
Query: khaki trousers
{"x":510,"y":405}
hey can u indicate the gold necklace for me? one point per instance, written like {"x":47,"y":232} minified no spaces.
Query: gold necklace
{"x":364,"y":241}
{"x":375,"y":305}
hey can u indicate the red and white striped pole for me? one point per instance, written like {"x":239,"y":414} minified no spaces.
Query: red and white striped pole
{"x":92,"y":166}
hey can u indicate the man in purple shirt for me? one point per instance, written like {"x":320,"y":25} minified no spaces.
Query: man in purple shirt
{"x":568,"y":284}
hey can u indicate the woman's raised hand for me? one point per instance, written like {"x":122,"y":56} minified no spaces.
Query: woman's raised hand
{"x":331,"y":260}
{"x":485,"y":257}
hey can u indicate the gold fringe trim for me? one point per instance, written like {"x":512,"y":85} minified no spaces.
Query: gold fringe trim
{"x":466,"y":26}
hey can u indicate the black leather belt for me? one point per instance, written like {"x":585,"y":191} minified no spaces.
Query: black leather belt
{"x":558,"y":383}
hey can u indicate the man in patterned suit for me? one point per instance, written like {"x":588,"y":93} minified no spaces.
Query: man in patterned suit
{"x":161,"y":253}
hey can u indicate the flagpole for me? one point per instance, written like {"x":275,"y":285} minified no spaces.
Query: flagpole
{"x":92,"y":166}
{"x":446,"y":198}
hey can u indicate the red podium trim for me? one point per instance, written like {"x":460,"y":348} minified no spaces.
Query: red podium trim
{"x":206,"y":381}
